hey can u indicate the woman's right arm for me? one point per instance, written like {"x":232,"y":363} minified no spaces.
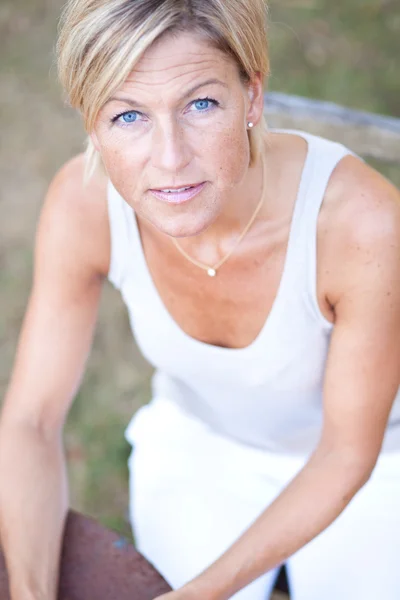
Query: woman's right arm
{"x":71,"y":261}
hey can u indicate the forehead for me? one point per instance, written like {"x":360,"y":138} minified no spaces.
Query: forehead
{"x":176,"y":59}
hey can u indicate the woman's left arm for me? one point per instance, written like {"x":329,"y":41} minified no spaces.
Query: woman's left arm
{"x":361,"y":381}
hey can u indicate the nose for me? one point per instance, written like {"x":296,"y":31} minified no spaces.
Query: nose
{"x":170,"y":151}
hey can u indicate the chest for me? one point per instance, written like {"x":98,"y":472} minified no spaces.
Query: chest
{"x":231,"y":309}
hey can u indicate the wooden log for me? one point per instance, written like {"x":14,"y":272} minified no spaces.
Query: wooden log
{"x":367,"y":134}
{"x":97,"y":564}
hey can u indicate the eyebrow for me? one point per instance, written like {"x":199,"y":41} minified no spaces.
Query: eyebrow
{"x":191,"y":91}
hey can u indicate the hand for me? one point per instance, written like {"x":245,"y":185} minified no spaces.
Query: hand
{"x":176,"y":595}
{"x":184,"y":593}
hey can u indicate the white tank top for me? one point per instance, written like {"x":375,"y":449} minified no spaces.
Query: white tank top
{"x":268,"y":394}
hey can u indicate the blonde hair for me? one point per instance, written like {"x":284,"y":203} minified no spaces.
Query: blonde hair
{"x":100,"y":41}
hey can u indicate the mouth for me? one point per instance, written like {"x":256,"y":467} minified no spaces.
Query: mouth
{"x":178,"y":195}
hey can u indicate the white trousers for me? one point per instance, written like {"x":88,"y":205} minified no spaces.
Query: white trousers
{"x":194,"y":492}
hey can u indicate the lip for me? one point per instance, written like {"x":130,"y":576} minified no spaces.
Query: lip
{"x":179,"y":197}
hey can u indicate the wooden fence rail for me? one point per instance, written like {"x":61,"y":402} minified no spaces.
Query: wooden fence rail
{"x":367,"y":134}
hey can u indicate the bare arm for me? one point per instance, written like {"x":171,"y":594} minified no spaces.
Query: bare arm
{"x":70,"y":259}
{"x":361,"y":381}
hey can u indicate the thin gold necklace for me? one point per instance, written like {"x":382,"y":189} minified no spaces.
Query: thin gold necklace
{"x":212,"y":270}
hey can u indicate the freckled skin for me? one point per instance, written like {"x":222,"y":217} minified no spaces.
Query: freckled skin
{"x":173,"y":144}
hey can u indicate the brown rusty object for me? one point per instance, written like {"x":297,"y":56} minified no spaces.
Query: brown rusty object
{"x":97,"y":564}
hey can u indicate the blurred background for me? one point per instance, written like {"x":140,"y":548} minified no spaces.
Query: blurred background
{"x":345,"y":51}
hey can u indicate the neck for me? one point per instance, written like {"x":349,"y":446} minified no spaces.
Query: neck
{"x":210,"y":245}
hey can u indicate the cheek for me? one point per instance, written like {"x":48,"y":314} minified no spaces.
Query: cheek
{"x":114,"y":151}
{"x":122,"y":166}
{"x":230,"y":156}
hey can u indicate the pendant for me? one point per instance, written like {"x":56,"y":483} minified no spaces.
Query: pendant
{"x":212,"y":272}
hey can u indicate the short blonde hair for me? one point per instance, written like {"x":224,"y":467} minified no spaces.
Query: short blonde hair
{"x":100,"y":42}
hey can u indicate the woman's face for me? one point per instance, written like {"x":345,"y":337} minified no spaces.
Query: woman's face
{"x":179,"y":121}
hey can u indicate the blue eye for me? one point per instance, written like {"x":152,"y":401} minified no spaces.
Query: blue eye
{"x":202,"y":104}
{"x":129,"y":117}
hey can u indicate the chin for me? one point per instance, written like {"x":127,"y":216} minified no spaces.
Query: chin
{"x":184,"y":225}
{"x":184,"y":221}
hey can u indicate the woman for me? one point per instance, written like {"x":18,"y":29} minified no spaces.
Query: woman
{"x":261,"y":271}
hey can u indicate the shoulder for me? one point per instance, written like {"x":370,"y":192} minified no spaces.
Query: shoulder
{"x":359,"y":226}
{"x":75,"y":213}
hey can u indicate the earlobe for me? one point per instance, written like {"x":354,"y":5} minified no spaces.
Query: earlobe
{"x":256,"y":97}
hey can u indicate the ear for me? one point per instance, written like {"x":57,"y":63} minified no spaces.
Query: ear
{"x":95,"y":140}
{"x":255,"y":89}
